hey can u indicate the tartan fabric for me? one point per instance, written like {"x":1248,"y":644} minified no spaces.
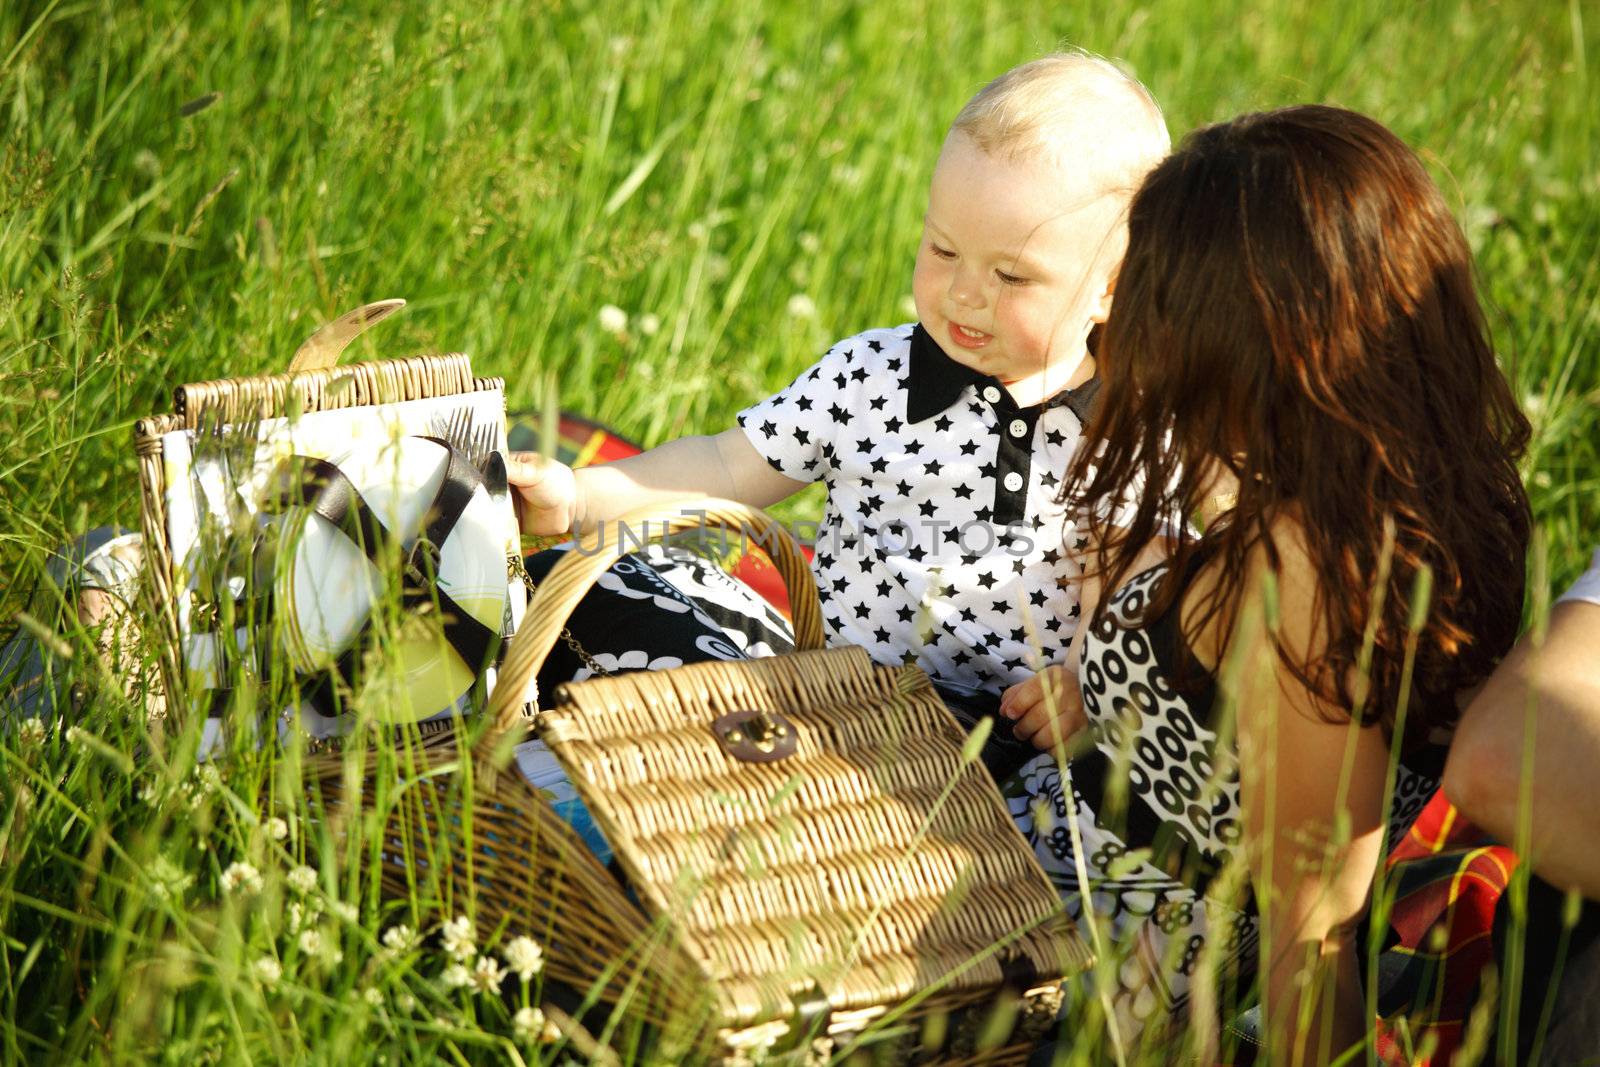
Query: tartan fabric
{"x":581,"y":442}
{"x":1446,"y":878}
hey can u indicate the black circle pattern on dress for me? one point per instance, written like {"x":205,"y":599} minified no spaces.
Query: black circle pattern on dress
{"x":1167,"y":749}
{"x":1144,"y":720}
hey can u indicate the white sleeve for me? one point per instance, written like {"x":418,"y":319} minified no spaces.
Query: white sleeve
{"x":1587,"y":587}
{"x":794,"y":431}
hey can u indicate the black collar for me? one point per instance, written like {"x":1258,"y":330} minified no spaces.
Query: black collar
{"x":934,"y":381}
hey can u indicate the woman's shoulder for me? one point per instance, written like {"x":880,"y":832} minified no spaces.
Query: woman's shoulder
{"x":1279,"y":594}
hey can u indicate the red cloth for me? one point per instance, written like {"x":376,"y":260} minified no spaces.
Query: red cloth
{"x":1448,"y":877}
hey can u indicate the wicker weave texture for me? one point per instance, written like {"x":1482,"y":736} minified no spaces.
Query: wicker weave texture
{"x":875,"y":862}
{"x":230,"y":401}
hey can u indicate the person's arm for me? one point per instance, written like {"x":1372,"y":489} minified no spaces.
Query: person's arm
{"x":780,"y":446}
{"x":552,"y":498}
{"x":1554,"y":688}
{"x":1050,"y":718}
{"x":1311,"y":786}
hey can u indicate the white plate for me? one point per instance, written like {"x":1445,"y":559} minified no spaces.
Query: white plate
{"x":327,"y":593}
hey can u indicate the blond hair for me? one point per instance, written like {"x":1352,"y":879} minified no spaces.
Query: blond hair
{"x":1075,"y":106}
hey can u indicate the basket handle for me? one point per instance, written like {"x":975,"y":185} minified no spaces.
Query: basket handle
{"x":323,"y":348}
{"x":572,"y":576}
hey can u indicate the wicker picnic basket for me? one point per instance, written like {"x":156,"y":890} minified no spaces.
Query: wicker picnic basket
{"x":810,"y":861}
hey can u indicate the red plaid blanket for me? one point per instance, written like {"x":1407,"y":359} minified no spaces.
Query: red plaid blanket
{"x":1446,"y":877}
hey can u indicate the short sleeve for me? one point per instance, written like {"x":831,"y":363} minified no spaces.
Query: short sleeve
{"x":1587,"y":587}
{"x":796,"y":430}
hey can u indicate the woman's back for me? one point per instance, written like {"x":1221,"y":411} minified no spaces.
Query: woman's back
{"x":1158,"y":805}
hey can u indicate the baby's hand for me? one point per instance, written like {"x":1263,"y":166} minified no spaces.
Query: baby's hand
{"x":1027,"y":705}
{"x":545,"y":493}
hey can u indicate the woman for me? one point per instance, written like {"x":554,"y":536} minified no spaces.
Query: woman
{"x":1296,"y":351}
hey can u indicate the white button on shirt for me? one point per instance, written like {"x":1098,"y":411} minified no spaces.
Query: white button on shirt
{"x":941,"y":522}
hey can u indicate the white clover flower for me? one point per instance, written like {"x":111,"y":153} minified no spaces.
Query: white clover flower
{"x":76,"y":736}
{"x":458,"y":938}
{"x":167,"y":879}
{"x":147,"y":163}
{"x":149,"y":794}
{"x":208,"y":776}
{"x":717,"y":267}
{"x":487,"y":975}
{"x":32,"y":731}
{"x":455,"y":976}
{"x":527,"y":1023}
{"x":649,"y":324}
{"x":524,"y":957}
{"x":276,"y":828}
{"x":809,"y":243}
{"x":267,"y":971}
{"x":325,"y":949}
{"x":399,"y":938}
{"x":373,"y":996}
{"x":697,"y":231}
{"x":242,"y":876}
{"x":613,"y":319}
{"x":801,"y":306}
{"x":302,"y":879}
{"x":405,"y":1002}
{"x":297,"y":915}
{"x":530,"y":1024}
{"x":344,"y":911}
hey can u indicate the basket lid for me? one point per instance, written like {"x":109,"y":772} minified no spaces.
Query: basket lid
{"x":869,"y":861}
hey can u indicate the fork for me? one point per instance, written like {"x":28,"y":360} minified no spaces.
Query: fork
{"x":478,"y":444}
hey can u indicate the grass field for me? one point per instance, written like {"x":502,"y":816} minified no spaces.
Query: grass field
{"x":187,"y":190}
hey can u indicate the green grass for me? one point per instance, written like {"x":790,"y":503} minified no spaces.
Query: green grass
{"x":510,"y":168}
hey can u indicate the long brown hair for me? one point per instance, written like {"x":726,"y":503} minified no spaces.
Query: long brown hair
{"x":1297,"y":303}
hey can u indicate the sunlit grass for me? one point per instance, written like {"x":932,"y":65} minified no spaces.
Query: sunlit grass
{"x":187,"y":190}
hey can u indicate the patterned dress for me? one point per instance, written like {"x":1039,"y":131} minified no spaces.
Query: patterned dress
{"x":1153,"y":811}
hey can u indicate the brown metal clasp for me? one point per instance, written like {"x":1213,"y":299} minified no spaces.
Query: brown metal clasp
{"x":755,"y":736}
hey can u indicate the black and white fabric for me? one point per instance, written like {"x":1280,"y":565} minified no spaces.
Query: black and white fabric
{"x":656,"y":609}
{"x":942,"y":540}
{"x":1155,"y":810}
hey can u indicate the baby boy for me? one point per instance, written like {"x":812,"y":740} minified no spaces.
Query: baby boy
{"x":941,"y":442}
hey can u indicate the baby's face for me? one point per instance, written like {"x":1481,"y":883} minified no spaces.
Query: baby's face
{"x":1014,"y":265}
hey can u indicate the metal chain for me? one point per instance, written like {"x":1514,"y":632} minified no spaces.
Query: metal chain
{"x":520,"y":570}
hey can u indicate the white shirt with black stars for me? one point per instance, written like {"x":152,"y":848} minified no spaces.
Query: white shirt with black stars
{"x":942,"y":540}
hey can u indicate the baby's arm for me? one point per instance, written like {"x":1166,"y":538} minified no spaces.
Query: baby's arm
{"x":552,"y":498}
{"x":1047,"y":709}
